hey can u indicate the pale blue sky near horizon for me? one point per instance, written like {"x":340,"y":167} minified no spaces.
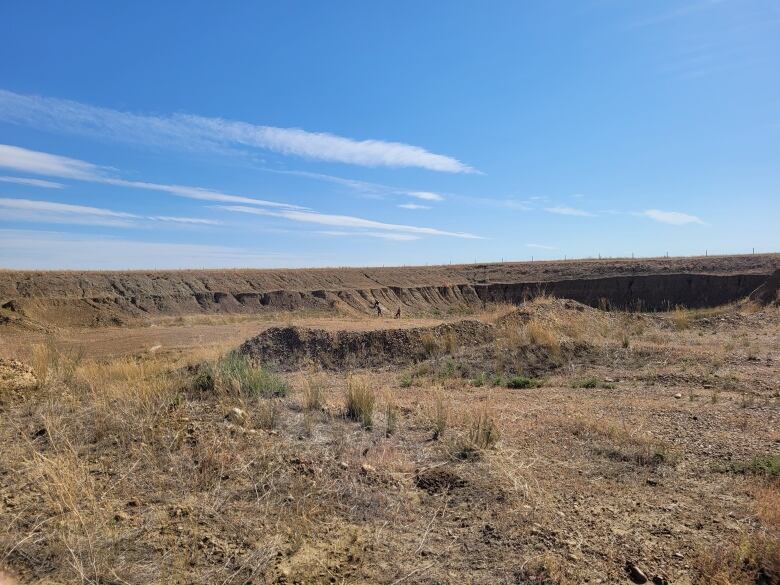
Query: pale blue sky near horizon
{"x":290,"y":134}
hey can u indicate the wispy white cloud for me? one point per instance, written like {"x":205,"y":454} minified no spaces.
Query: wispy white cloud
{"x":52,"y":165}
{"x":541,"y":247}
{"x":425,"y":195}
{"x":345,"y":221}
{"x":37,"y":162}
{"x":31,"y":182}
{"x":366,"y":188}
{"x":413,"y":206}
{"x":188,"y":132}
{"x":51,"y":206}
{"x":185,"y":220}
{"x":30,"y":210}
{"x":47,"y":250}
{"x":381,"y":235}
{"x":671,"y":217}
{"x":564,"y":210}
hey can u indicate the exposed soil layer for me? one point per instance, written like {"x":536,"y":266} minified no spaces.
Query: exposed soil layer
{"x":294,"y":347}
{"x":34,"y":299}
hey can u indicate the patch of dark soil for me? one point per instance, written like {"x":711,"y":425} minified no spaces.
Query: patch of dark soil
{"x":289,"y":348}
{"x":438,"y":480}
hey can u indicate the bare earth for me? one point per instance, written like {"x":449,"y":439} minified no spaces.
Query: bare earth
{"x":567,"y":445}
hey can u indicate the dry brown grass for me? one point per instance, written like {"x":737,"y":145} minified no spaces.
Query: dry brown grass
{"x":119,"y":472}
{"x":359,"y":401}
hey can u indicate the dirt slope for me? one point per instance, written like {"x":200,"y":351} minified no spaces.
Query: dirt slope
{"x":111,"y":298}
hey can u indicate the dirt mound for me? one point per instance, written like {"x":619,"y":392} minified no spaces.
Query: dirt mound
{"x":290,"y":348}
{"x":16,"y":377}
{"x":769,"y":292}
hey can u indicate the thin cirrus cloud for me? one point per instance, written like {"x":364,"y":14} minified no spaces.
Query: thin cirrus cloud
{"x":18,"y":158}
{"x":671,"y":217}
{"x":381,"y":235}
{"x":55,"y":212}
{"x":52,"y":165}
{"x":345,"y":221}
{"x":564,"y":210}
{"x":31,"y":182}
{"x":190,"y":132}
{"x":369,"y":189}
{"x":413,"y":206}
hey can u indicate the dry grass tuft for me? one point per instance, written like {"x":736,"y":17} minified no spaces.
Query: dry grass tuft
{"x":483,"y":432}
{"x":313,"y":391}
{"x":360,"y":400}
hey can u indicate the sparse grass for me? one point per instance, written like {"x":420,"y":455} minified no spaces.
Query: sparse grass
{"x":360,"y":400}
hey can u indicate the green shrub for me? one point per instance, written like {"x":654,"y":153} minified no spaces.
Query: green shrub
{"x":522,"y":382}
{"x":766,"y":465}
{"x":235,"y":374}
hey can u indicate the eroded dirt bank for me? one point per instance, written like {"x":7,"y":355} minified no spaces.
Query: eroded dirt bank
{"x":106,"y":298}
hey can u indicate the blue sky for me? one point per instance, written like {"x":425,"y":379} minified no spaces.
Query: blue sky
{"x":202,"y":134}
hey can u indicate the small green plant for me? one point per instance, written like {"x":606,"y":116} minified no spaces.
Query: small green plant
{"x":480,"y":380}
{"x":406,"y":381}
{"x":498,"y":381}
{"x":589,"y":383}
{"x":762,"y":465}
{"x":517,"y":382}
{"x":360,"y":402}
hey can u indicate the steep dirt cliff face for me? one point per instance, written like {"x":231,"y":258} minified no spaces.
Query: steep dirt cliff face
{"x":107,"y":298}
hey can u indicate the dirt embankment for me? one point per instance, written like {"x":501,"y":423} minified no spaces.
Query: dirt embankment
{"x":110,"y":298}
{"x":290,"y":348}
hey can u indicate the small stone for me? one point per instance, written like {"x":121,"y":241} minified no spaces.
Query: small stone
{"x":651,"y":481}
{"x":236,"y":416}
{"x":678,"y":555}
{"x":660,"y":580}
{"x":343,"y":465}
{"x":366,"y":468}
{"x":636,"y":574}
{"x":678,"y":396}
{"x":121,"y":516}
